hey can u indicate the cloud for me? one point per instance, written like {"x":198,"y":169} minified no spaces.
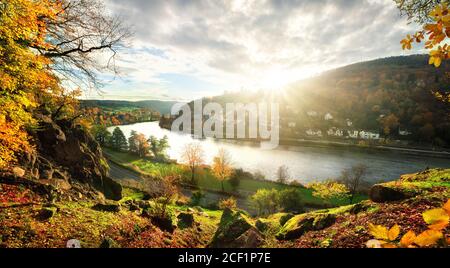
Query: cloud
{"x":234,"y":44}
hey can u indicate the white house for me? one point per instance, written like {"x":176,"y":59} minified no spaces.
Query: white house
{"x":404,"y":132}
{"x":312,"y":113}
{"x":367,"y":135}
{"x":292,"y":124}
{"x":328,"y":117}
{"x":316,"y":133}
{"x":349,"y":122}
{"x":354,"y":134}
{"x":335,"y":132}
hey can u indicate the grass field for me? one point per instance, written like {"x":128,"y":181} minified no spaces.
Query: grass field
{"x":206,"y":181}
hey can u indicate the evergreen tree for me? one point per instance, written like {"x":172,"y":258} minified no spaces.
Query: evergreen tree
{"x":118,"y":140}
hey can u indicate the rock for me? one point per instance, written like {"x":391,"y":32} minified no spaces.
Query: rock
{"x":303,"y":223}
{"x":285,"y":218}
{"x":167,"y":223}
{"x":18,"y":172}
{"x":235,"y":231}
{"x":109,"y":243}
{"x":47,"y":213}
{"x":63,"y":144}
{"x":262,"y":225}
{"x":143,"y":204}
{"x":107,"y":207}
{"x":185,"y":220}
{"x":380,"y":193}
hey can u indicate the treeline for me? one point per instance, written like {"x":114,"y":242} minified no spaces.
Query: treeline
{"x":137,"y":143}
{"x":104,"y":117}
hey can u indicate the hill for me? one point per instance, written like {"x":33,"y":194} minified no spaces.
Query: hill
{"x":394,"y":97}
{"x":162,"y":107}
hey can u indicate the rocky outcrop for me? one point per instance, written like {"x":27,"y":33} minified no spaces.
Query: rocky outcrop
{"x":236,"y":231}
{"x":66,"y":152}
{"x":381,"y":193}
{"x":303,"y":223}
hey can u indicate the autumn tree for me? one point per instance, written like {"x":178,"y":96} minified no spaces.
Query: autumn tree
{"x":132,"y":142}
{"x":434,"y":17}
{"x":265,"y":201}
{"x":390,"y":124}
{"x":45,"y":44}
{"x":143,"y":147}
{"x":193,"y":156}
{"x":222,"y":166}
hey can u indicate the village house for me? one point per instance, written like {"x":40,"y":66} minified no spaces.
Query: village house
{"x":404,"y":132}
{"x":314,"y":133}
{"x":312,"y":113}
{"x":354,"y":134}
{"x":328,"y":117}
{"x":292,"y":124}
{"x":349,"y":122}
{"x":368,"y":135}
{"x":336,"y":132}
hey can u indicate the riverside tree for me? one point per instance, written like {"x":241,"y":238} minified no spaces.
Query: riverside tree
{"x":193,"y":156}
{"x":118,"y":140}
{"x":222,"y":166}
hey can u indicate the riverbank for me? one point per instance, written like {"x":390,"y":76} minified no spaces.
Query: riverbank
{"x":208,"y":183}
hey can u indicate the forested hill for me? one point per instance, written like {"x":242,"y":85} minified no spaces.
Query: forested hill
{"x":384,"y":95}
{"x":163,"y":107}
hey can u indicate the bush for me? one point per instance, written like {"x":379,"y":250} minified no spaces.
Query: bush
{"x":290,"y":201}
{"x":230,"y":203}
{"x":197,"y":198}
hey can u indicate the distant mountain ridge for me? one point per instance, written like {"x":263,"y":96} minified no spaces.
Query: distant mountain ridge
{"x":164,"y":107}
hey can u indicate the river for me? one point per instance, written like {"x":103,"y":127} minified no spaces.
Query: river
{"x":305,"y":164}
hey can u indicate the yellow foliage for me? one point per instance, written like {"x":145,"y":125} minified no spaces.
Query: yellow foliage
{"x":435,"y":215}
{"x":437,"y":219}
{"x":24,"y":75}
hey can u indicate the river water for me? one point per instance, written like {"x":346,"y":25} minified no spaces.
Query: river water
{"x":305,"y":164}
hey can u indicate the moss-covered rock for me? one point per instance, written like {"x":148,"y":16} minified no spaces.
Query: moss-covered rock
{"x":107,"y":207}
{"x":303,"y":223}
{"x":185,"y":220}
{"x":382,"y":193}
{"x":47,"y":213}
{"x":236,"y":230}
{"x":109,"y":243}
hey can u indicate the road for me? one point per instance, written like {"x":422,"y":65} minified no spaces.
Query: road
{"x":119,"y":173}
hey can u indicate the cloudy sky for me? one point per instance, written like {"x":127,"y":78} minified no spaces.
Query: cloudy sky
{"x":187,"y":49}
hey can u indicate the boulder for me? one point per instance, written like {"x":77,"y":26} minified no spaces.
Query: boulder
{"x":185,"y":220}
{"x":236,"y":231}
{"x":47,"y":213}
{"x":301,"y":224}
{"x":63,"y":144}
{"x":285,"y":218}
{"x":107,"y":207}
{"x":380,"y":193}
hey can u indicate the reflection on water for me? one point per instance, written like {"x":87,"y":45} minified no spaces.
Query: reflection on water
{"x":305,"y":163}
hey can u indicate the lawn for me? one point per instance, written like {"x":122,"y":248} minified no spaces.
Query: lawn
{"x":206,"y":181}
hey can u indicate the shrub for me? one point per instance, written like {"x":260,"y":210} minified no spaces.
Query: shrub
{"x":230,"y":203}
{"x":290,"y":200}
{"x":197,"y":198}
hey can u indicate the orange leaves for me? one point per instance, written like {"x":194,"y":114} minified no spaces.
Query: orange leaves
{"x":407,"y":42}
{"x":437,"y":219}
{"x":428,"y":238}
{"x":408,"y":239}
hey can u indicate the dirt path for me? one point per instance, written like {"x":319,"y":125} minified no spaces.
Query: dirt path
{"x":119,"y":173}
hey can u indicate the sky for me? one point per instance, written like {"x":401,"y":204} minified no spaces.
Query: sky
{"x":186,"y":49}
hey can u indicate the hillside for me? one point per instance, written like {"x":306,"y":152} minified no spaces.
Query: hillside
{"x":30,"y":220}
{"x":393,"y":97}
{"x":162,"y":107}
